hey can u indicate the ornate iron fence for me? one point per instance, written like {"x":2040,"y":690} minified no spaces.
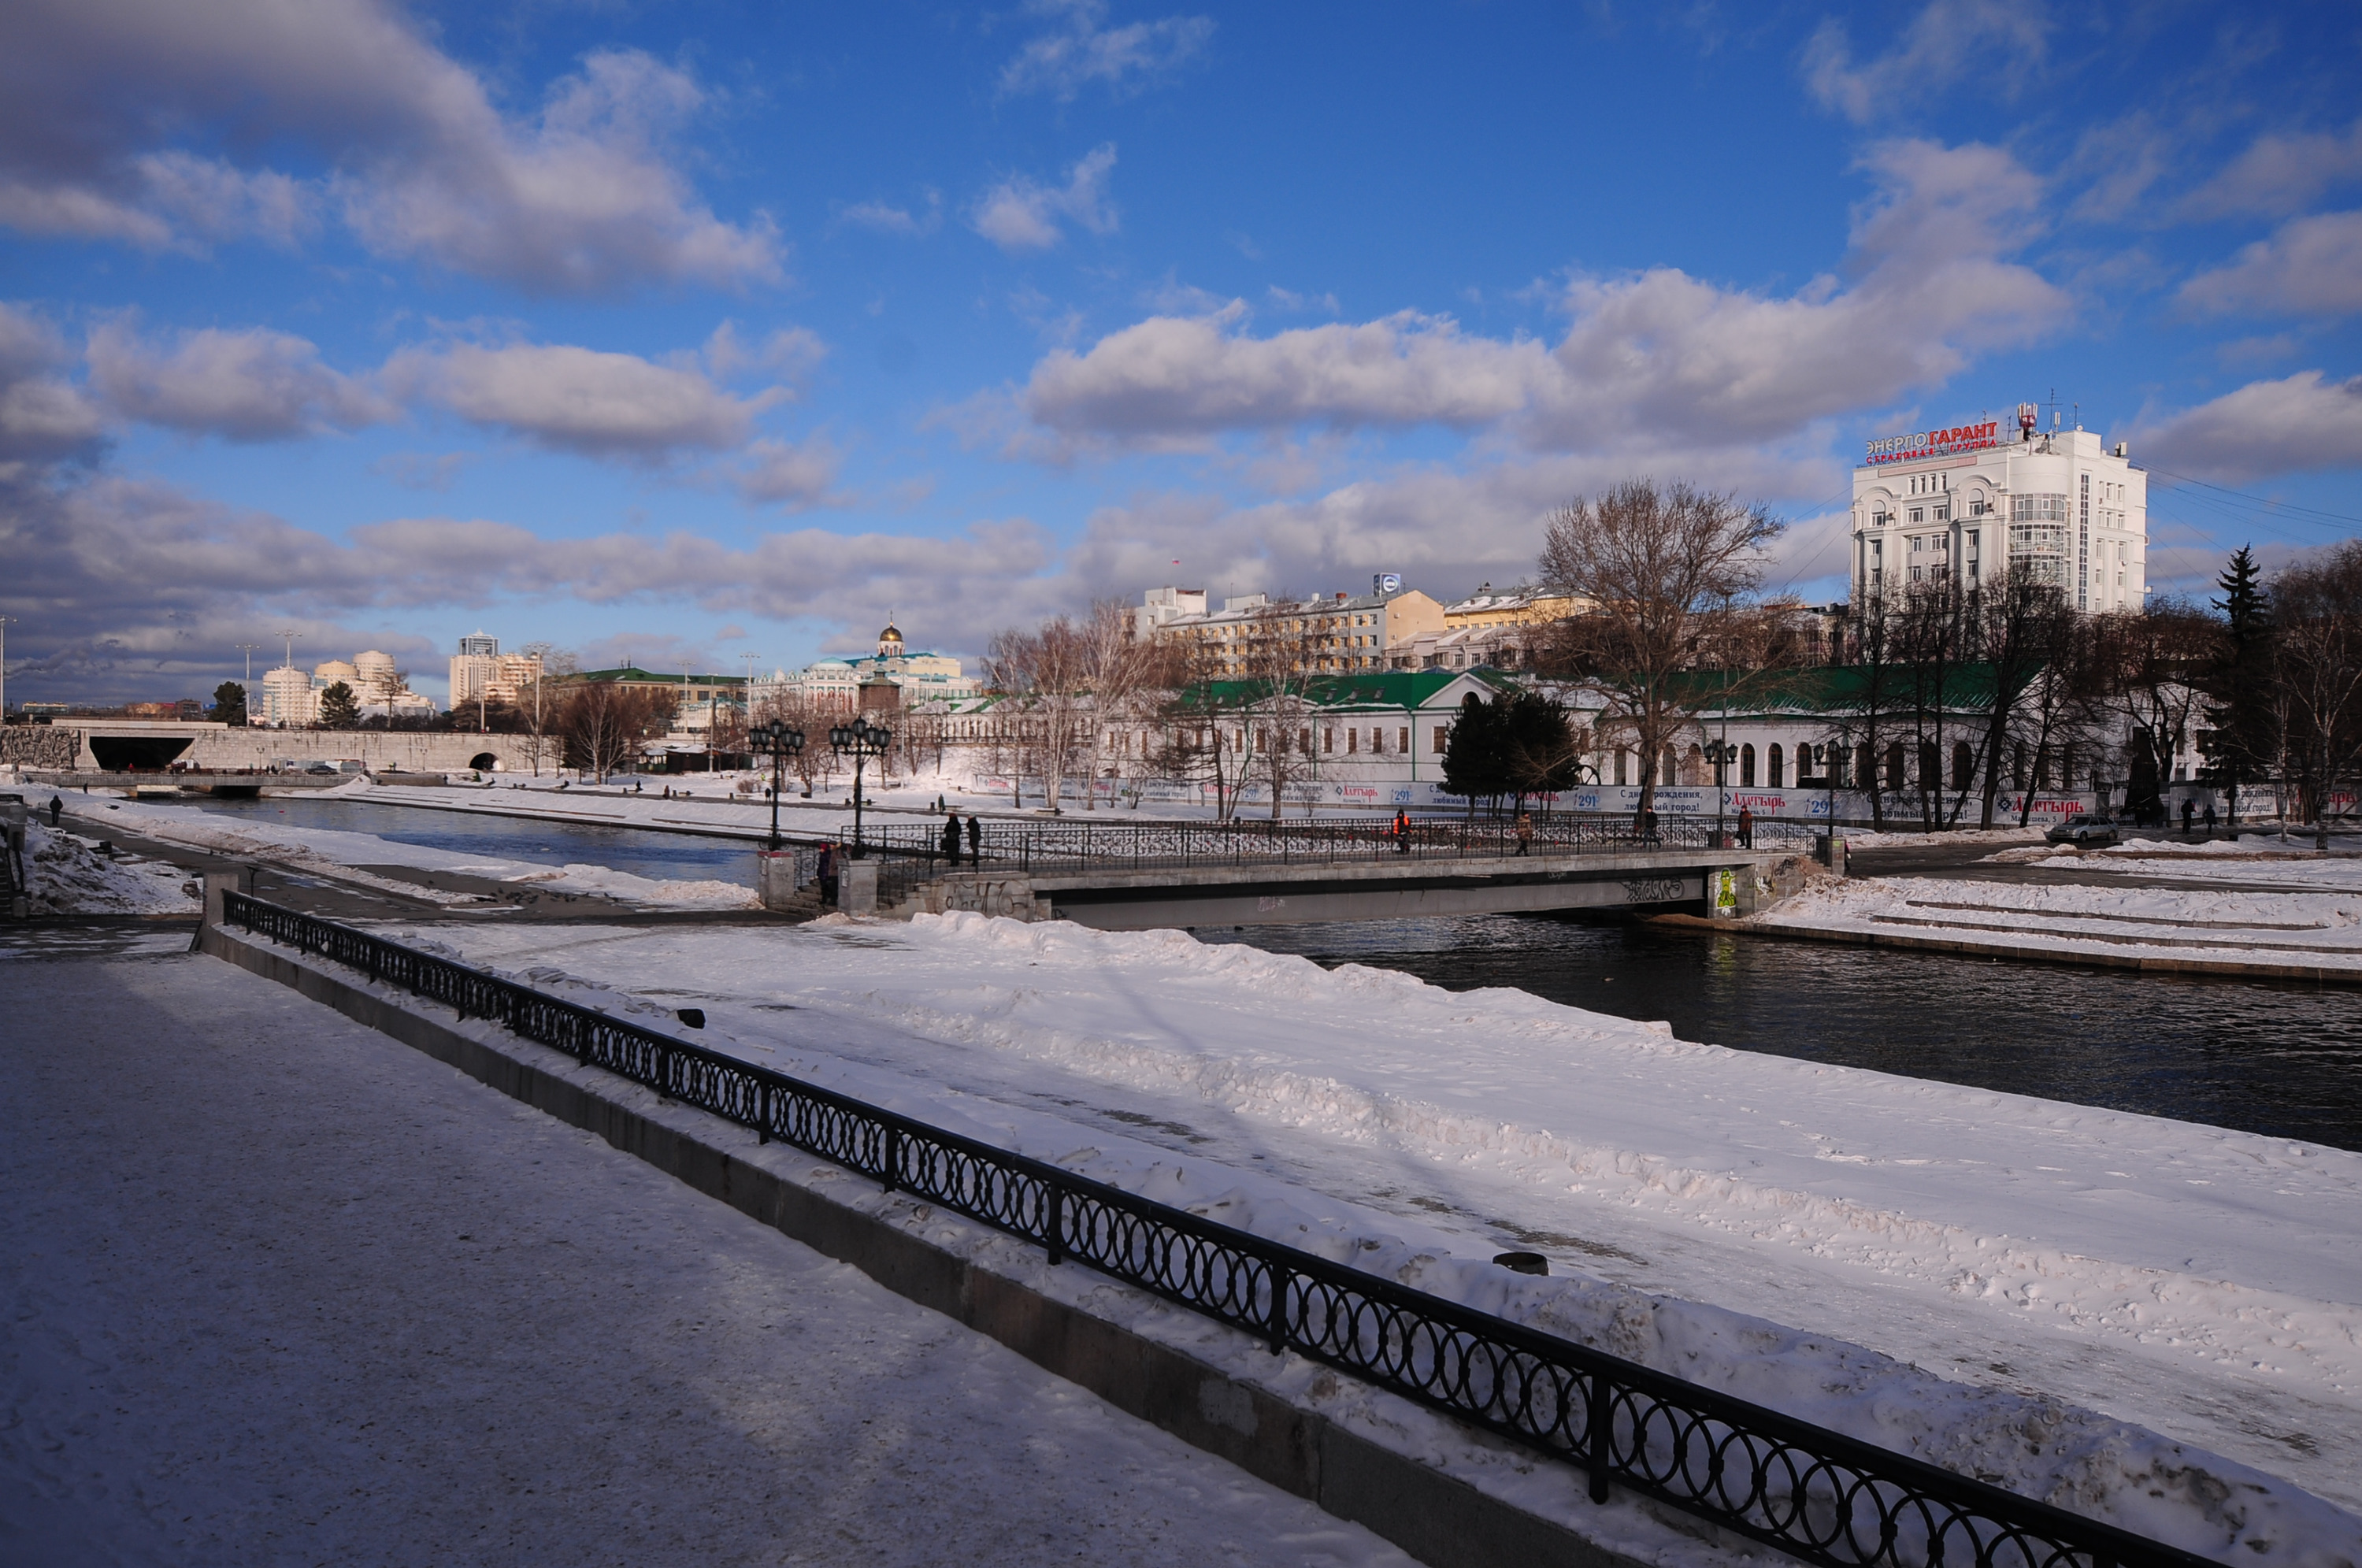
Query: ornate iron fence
{"x":1819,"y":1497}
{"x":1030,"y":847}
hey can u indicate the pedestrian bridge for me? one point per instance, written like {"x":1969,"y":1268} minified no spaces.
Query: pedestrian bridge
{"x":1719,"y":882}
{"x":1128,"y":877}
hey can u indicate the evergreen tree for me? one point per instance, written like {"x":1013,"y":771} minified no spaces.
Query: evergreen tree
{"x":2239,"y":747}
{"x":1475,"y":759}
{"x":229,"y":702}
{"x":339,"y":708}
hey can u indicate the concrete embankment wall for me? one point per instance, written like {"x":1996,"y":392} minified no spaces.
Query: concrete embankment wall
{"x":1435,"y":1489}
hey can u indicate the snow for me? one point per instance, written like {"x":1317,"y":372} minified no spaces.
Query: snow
{"x":1896,"y":838}
{"x":2011,"y":1286}
{"x":69,"y":875}
{"x":281,"y":1291}
{"x":2225,"y":925}
{"x":331,"y":852}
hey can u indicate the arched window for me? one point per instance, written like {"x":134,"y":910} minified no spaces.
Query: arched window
{"x":1747,"y":765}
{"x":1894,"y":766}
{"x":1861,"y":766}
{"x":1667,"y":767}
{"x":1623,"y":765}
{"x":1771,"y":761}
{"x":1964,"y":764}
{"x":1931,"y":769}
{"x":1694,"y":766}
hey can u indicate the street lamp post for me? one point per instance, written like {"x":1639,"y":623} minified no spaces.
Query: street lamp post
{"x":860,"y":740}
{"x":782,"y":743}
{"x":1721,"y":754}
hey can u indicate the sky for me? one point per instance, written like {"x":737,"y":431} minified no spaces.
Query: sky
{"x":718,"y":334}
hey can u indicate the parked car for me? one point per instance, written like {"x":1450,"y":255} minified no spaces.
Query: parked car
{"x":322,"y":768}
{"x":2084,"y":829}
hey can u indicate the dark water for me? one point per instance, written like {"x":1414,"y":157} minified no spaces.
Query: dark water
{"x":2280,"y":1059}
{"x":663,"y":856}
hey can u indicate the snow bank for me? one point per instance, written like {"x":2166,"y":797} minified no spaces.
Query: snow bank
{"x":2216,"y":924}
{"x":2141,"y":1258}
{"x":70,"y":876}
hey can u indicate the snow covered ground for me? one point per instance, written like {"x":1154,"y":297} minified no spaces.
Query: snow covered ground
{"x":2322,"y":929}
{"x":2017,"y":1258}
{"x":2292,"y":866}
{"x":69,"y":874}
{"x":334,"y":853}
{"x":280,"y":1290}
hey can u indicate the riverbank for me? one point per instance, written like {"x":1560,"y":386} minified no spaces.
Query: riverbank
{"x":1949,"y":1263}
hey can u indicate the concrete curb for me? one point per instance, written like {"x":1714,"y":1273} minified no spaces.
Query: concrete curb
{"x":1442,"y":1520}
{"x":2317,"y":973}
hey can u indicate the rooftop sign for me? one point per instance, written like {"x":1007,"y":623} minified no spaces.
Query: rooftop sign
{"x":1936,"y":443}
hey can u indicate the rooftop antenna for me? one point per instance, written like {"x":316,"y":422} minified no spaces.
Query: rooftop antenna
{"x":2054,"y":409}
{"x":291,"y":637}
{"x":2077,"y":417}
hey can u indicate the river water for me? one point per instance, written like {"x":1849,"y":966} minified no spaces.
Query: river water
{"x":2264,"y":1057}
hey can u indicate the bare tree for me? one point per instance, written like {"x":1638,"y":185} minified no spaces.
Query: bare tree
{"x":2319,"y":605}
{"x":2020,"y":626}
{"x":1119,"y":667}
{"x":1045,"y":669}
{"x":2157,"y":660}
{"x":603,"y":723}
{"x":1662,"y":566}
{"x":1279,"y":655}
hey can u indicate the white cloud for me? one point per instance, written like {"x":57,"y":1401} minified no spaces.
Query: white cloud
{"x":579,"y":400}
{"x":883,"y":217}
{"x":248,"y":385}
{"x":577,"y":198}
{"x":1997,"y":40}
{"x":2301,"y":421}
{"x":2279,"y":175}
{"x":2312,"y":266}
{"x":795,"y":474}
{"x":1019,"y":215}
{"x":44,"y":418}
{"x":1660,"y":360}
{"x":1081,"y":49}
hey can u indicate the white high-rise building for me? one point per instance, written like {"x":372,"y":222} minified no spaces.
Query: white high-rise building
{"x":1970,"y":501}
{"x":289,"y":699}
{"x":480,"y":669}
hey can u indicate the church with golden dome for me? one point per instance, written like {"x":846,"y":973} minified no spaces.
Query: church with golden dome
{"x":833,"y":685}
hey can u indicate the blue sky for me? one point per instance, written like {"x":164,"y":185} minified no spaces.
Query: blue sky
{"x":681,"y":333}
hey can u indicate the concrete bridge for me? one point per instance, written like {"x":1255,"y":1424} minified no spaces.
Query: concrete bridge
{"x":153,"y":745}
{"x":1716,"y":883}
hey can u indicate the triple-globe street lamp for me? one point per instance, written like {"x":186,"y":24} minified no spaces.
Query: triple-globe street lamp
{"x":782,"y":743}
{"x":1721,"y":754}
{"x":860,"y":740}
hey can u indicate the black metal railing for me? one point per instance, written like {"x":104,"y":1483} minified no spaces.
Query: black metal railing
{"x":1041,"y":847}
{"x":1818,"y":1496}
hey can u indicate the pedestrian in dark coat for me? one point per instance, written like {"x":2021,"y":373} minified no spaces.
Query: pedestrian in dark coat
{"x":1649,"y":824}
{"x":951,"y":841}
{"x":1402,"y":831}
{"x":827,"y":874}
{"x":2189,"y":810}
{"x":57,"y":809}
{"x":1746,"y":828}
{"x":1525,"y":833}
{"x":2210,"y":819}
{"x":975,"y":841}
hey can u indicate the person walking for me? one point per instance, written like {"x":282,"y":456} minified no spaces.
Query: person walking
{"x":1649,"y":824}
{"x":1402,"y":831}
{"x":975,"y":841}
{"x":2189,"y":811}
{"x":951,"y":841}
{"x":1525,"y":833}
{"x":1746,"y":827}
{"x":825,"y":875}
{"x":57,"y":809}
{"x":2210,"y":819}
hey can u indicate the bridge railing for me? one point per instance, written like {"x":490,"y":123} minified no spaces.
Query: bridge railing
{"x":1031,"y":847}
{"x":1817,"y":1495}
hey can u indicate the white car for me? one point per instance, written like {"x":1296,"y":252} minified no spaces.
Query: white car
{"x":2084,"y":829}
